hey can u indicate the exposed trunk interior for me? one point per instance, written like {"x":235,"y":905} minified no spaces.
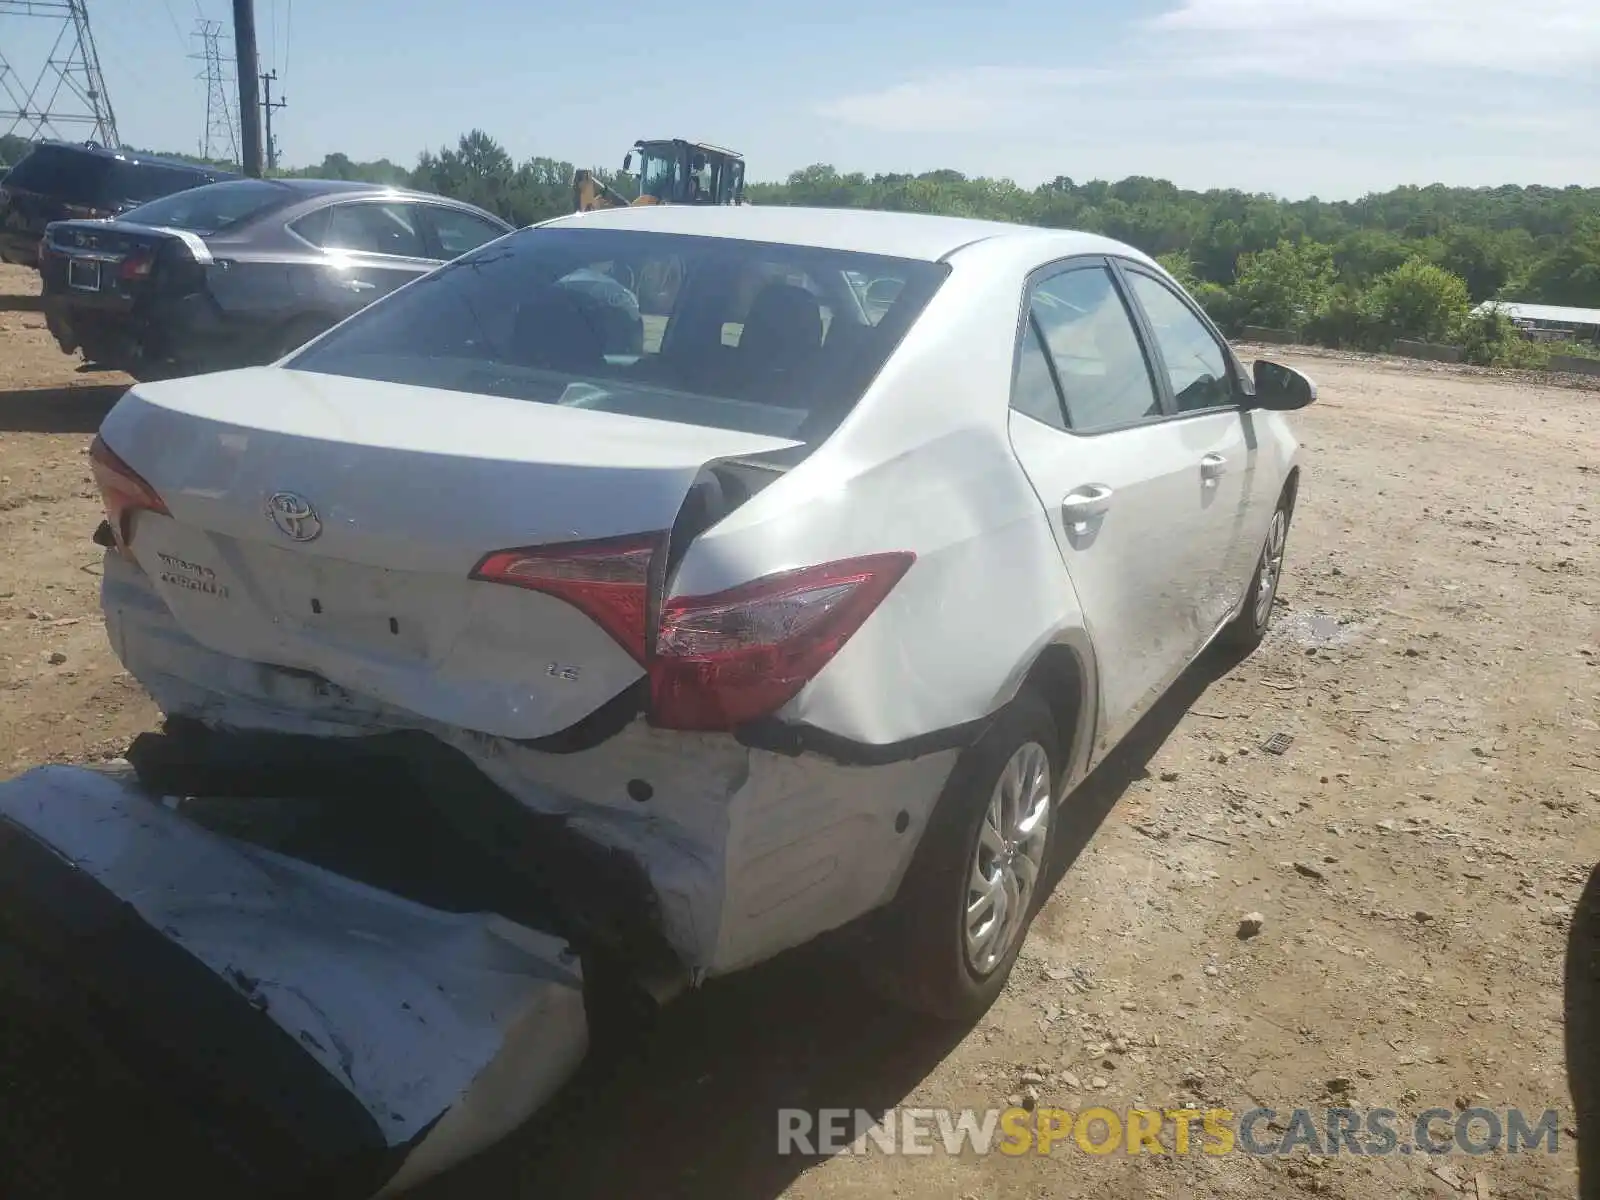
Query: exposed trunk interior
{"x":369,"y":809}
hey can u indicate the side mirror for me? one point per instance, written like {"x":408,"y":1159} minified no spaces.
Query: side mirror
{"x":627,"y":163}
{"x":1281,"y":388}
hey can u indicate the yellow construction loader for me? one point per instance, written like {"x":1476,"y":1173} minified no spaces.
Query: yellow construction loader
{"x":671,"y":171}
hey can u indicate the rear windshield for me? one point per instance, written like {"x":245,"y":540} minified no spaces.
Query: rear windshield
{"x":750,"y":336}
{"x":83,"y":177}
{"x":213,"y":208}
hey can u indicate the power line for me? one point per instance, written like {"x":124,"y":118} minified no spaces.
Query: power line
{"x":172,"y":19}
{"x":72,"y":66}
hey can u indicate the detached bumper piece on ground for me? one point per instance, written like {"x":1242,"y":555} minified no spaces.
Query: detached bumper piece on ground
{"x":311,"y":1031}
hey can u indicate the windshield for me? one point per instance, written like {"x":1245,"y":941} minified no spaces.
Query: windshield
{"x":730,"y":334}
{"x":659,"y":168}
{"x":212,"y":208}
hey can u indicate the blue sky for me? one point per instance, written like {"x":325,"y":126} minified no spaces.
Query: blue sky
{"x":1331,"y":97}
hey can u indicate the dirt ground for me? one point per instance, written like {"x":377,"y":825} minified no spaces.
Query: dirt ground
{"x":1416,"y":855}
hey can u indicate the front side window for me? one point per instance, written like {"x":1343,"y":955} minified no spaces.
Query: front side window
{"x":1099,"y":362}
{"x":1195,"y":363}
{"x":699,"y":330}
{"x":460,"y":231}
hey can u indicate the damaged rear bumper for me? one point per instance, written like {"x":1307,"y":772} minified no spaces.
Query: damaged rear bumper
{"x":322,"y":1031}
{"x":713,"y":855}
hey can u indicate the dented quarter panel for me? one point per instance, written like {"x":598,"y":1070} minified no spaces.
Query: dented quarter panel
{"x":938,"y":474}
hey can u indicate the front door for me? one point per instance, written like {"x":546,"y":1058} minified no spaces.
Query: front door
{"x":1217,"y":438}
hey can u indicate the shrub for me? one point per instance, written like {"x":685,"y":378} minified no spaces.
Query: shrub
{"x":1420,"y":301}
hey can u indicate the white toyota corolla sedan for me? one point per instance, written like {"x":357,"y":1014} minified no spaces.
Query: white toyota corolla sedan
{"x":755,"y":568}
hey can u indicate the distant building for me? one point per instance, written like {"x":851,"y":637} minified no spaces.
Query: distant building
{"x":1550,"y":322}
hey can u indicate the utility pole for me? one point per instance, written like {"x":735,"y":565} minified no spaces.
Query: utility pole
{"x":267,"y":105}
{"x":244,"y":48}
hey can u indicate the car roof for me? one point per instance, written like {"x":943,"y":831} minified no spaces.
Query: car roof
{"x":866,"y":231}
{"x":310,"y":188}
{"x":137,"y":157}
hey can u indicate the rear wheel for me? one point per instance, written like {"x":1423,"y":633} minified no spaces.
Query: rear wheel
{"x":952,"y":934}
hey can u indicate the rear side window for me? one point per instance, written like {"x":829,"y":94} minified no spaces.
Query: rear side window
{"x":1099,"y":362}
{"x":700,"y":330}
{"x":1034,"y":393}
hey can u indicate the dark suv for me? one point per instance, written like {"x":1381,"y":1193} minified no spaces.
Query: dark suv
{"x":59,"y":181}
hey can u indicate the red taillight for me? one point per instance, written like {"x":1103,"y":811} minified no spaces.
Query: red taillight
{"x":607,"y":580}
{"x":715,"y":661}
{"x":725,"y":659}
{"x":136,"y":266}
{"x":122,"y":491}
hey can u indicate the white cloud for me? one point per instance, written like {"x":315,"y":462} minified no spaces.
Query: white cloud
{"x":1382,"y":45}
{"x":971,"y":100}
{"x":1337,"y":95}
{"x":1328,"y":38}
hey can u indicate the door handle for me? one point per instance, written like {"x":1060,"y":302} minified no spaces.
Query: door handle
{"x":1085,"y":503}
{"x":357,"y":285}
{"x":1212,"y":466}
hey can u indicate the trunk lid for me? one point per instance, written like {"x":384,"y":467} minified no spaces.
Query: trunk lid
{"x":112,"y":265}
{"x":332,"y":525}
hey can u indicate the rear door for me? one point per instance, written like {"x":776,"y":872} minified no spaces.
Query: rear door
{"x":1092,"y":428}
{"x":370,"y":247}
{"x":1216,"y":434}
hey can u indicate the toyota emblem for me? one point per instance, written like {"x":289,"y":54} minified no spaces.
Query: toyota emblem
{"x":294,"y":516}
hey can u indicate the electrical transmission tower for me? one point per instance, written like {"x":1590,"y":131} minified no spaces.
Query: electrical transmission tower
{"x":222,"y":125}
{"x":67,"y":98}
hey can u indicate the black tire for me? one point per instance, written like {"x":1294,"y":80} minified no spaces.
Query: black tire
{"x":1246,"y":631}
{"x":919,"y":959}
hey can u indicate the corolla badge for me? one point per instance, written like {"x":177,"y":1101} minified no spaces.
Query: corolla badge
{"x":294,"y":516}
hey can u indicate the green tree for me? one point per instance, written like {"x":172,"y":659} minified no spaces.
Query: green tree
{"x":1481,"y":257}
{"x":1177,"y":265}
{"x":1284,"y":287}
{"x":1567,"y":274}
{"x":1420,"y":301}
